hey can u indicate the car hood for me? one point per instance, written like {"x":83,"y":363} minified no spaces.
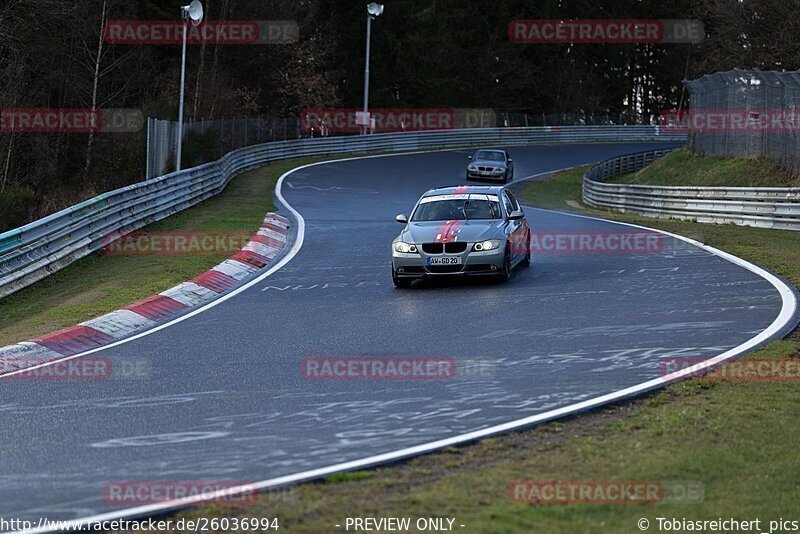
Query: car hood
{"x":488,"y":163}
{"x":441,"y":231}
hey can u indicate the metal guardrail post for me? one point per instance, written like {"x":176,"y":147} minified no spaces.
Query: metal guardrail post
{"x":148,"y":171}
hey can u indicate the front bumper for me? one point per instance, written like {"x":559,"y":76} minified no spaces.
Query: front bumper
{"x":481,"y":175}
{"x":472,"y":264}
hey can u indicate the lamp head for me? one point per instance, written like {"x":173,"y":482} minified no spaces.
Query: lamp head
{"x":193,"y":12}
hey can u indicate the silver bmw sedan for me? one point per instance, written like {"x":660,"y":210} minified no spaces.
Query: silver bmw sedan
{"x":461,"y":231}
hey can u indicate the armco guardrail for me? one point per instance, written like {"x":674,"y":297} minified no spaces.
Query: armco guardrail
{"x":765,"y":207}
{"x":38,"y":249}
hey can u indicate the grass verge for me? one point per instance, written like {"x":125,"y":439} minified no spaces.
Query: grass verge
{"x":737,"y":439}
{"x":680,"y":167}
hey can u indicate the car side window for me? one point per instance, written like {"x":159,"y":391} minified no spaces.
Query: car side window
{"x":509,"y":207}
{"x":513,"y":199}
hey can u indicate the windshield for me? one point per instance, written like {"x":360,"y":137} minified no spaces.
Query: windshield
{"x":458,"y":208}
{"x":487,"y":155}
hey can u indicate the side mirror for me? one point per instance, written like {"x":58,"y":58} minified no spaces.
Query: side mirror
{"x":401,"y":219}
{"x":510,"y":160}
{"x":516,"y":215}
{"x":469,"y":157}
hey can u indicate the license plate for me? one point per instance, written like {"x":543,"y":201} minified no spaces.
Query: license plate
{"x":454,"y":260}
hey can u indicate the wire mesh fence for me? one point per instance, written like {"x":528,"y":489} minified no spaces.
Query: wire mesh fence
{"x":746,"y":113}
{"x":209,"y":140}
{"x":520,"y":120}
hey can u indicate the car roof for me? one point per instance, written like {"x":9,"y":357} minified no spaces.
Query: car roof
{"x":491,"y":150}
{"x":465,"y":189}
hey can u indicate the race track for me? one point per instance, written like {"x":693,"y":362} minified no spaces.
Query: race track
{"x":225,"y":399}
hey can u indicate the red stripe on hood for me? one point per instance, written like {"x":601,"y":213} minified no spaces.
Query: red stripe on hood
{"x":448,"y":231}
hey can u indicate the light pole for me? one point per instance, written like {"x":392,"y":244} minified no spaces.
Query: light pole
{"x":193,"y":12}
{"x":374,"y":10}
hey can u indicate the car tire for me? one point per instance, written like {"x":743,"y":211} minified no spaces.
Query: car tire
{"x":505,"y":275}
{"x":526,"y":261}
{"x":401,"y":283}
{"x":505,"y":177}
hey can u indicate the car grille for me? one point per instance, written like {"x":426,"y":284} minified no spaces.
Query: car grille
{"x":455,"y":248}
{"x":449,"y":248}
{"x":441,"y":269}
{"x":486,"y":169}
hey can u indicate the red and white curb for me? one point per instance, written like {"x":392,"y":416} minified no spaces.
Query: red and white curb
{"x":264,"y":247}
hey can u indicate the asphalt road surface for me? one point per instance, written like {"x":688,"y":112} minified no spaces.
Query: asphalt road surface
{"x":224,"y":399}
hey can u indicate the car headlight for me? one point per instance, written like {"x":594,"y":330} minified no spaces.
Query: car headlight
{"x":487,"y":245}
{"x":499,"y":171}
{"x":472,"y":168}
{"x":405,"y":248}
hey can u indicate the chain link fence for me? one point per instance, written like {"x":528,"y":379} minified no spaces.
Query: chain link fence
{"x":525,"y":120}
{"x":209,"y":140}
{"x":746,"y":113}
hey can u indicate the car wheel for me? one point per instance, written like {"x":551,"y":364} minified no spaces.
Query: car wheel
{"x":505,"y":275}
{"x":505,"y":177}
{"x":402,"y":283}
{"x":526,"y":262}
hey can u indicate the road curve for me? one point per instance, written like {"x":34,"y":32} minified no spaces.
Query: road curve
{"x":225,"y":400}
